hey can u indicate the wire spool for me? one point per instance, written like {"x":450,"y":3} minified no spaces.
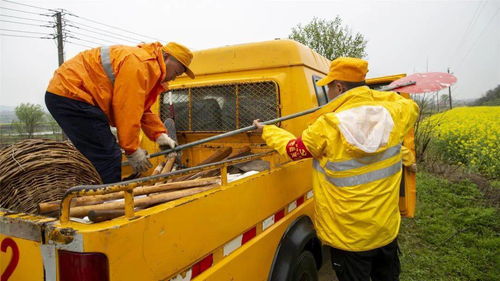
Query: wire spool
{"x":37,"y":170}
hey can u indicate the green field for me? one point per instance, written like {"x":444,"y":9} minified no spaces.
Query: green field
{"x":455,"y":234}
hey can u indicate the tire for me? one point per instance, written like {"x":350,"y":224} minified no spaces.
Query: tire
{"x":305,"y":268}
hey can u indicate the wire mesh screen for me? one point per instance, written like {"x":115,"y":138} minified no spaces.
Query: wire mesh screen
{"x":221,"y":107}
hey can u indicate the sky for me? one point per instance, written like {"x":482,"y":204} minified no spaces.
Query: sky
{"x":403,"y":36}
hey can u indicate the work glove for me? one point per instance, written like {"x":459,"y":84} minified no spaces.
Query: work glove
{"x":165,"y":142}
{"x":413,"y":168}
{"x":139,"y":160}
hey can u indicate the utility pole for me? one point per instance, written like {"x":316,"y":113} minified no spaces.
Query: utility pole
{"x":449,"y":92}
{"x":59,"y":37}
{"x":60,"y":50}
{"x":437,"y":101}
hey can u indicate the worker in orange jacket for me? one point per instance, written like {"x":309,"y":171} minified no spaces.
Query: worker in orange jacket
{"x":356,"y":146}
{"x":115,"y":85}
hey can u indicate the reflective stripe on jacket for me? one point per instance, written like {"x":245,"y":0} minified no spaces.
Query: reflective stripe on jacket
{"x":124,"y":83}
{"x":357,"y":166}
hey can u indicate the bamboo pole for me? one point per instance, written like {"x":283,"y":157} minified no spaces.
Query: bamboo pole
{"x":168,"y":165}
{"x":144,"y":202}
{"x":236,"y":153}
{"x":140,"y":190}
{"x":104,"y":215}
{"x":158,"y":169}
{"x":167,"y":168}
{"x":218,"y":155}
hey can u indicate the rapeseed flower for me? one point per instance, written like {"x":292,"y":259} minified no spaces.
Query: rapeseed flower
{"x":468,"y":136}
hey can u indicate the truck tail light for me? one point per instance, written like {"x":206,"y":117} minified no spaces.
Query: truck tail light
{"x":75,"y":266}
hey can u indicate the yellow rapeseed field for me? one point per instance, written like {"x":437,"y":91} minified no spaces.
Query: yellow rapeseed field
{"x":468,"y":136}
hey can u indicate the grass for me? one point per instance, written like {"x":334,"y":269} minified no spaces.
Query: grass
{"x":454,"y":236}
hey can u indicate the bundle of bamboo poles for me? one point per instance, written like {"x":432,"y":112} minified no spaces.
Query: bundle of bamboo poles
{"x":145,"y":196}
{"x":38,"y":170}
{"x":108,"y":206}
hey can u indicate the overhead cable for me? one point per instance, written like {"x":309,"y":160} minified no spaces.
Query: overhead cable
{"x":477,"y":39}
{"x":110,"y":26}
{"x":25,"y":36}
{"x":26,"y":12}
{"x":17,"y":3}
{"x":24,"y":31}
{"x":71,"y":42}
{"x":88,"y":41}
{"x":76,"y":25}
{"x":31,"y":24}
{"x":81,"y":34}
{"x":9,"y":16}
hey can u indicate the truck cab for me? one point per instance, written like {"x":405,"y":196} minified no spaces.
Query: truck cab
{"x":255,"y":226}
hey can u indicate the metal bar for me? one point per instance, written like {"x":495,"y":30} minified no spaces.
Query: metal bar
{"x":409,"y":83}
{"x":232,"y":133}
{"x":278,"y":99}
{"x":190,"y":109}
{"x":237,"y":92}
{"x":251,"y":128}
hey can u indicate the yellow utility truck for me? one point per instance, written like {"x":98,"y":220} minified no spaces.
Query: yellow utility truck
{"x":255,"y":225}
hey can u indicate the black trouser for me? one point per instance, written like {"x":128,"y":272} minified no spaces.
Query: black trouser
{"x":88,"y":129}
{"x":381,"y":264}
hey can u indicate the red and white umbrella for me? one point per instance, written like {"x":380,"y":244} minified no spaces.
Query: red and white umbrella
{"x":424,"y":82}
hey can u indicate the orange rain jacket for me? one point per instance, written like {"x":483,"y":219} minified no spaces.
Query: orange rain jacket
{"x":139,"y":72}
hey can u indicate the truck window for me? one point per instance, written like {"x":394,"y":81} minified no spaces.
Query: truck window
{"x":221,"y":107}
{"x":321,"y":92}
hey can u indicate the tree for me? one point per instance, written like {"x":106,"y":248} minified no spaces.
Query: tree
{"x":330,"y":39}
{"x":444,"y":100}
{"x":491,"y":98}
{"x":54,"y":127}
{"x":30,"y":116}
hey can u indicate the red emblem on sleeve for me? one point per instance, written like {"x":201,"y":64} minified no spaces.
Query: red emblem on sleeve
{"x":296,"y":150}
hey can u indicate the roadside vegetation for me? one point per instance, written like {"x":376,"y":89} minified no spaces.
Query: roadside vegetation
{"x":468,"y":137}
{"x":454,"y":235}
{"x":31,"y":122}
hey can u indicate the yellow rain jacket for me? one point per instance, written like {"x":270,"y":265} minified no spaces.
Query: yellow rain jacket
{"x":137,"y":72}
{"x":356,"y":146}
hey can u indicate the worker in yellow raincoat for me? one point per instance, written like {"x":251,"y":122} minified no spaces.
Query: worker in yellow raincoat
{"x":115,"y":85}
{"x":356,"y":145}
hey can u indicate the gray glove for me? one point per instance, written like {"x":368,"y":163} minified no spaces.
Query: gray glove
{"x":139,"y":161}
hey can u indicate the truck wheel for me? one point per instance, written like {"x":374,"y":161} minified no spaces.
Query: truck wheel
{"x":305,"y":268}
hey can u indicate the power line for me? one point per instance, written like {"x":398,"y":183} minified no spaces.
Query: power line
{"x":22,"y":18}
{"x":17,"y":3}
{"x":25,"y":36}
{"x":110,"y":26}
{"x":25,"y":31}
{"x":477,"y":40}
{"x":77,"y":44}
{"x":103,"y":34}
{"x":103,"y":30}
{"x":81,"y":34}
{"x":473,"y":20}
{"x":21,"y":11}
{"x":31,"y":24}
{"x":76,"y":38}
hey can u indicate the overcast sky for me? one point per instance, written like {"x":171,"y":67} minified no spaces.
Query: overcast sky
{"x":403,"y":36}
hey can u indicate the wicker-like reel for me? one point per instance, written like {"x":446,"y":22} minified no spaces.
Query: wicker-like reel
{"x":38,"y":170}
